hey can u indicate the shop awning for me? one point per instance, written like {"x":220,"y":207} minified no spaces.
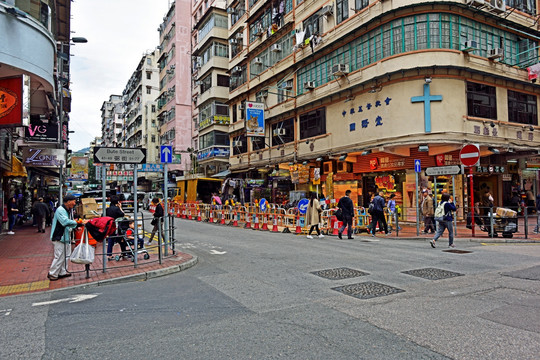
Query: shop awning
{"x":223,"y":173}
{"x":17,"y":169}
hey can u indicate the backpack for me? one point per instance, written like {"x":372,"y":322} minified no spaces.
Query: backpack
{"x":101,"y":227}
{"x":371,"y":208}
{"x":439,"y":212}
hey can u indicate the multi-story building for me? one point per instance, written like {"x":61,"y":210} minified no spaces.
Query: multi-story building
{"x":174,"y":103}
{"x":34,"y":88}
{"x":358,"y":91}
{"x":140,"y":119}
{"x":211,"y":86}
{"x":112,"y":123}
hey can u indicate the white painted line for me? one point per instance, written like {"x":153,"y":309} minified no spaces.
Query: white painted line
{"x":215,"y":252}
{"x":74,"y":299}
{"x":470,"y":155}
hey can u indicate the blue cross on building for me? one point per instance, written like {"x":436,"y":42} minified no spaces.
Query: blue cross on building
{"x":426,"y":99}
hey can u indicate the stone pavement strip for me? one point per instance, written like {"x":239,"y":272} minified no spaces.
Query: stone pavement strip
{"x":25,"y":259}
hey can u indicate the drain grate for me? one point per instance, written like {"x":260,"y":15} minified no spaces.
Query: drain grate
{"x":455,"y":251}
{"x":339,"y":273}
{"x":432,"y":273}
{"x":367,"y":290}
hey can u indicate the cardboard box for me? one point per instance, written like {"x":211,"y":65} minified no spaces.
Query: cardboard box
{"x":506,"y":213}
{"x":87,"y":208}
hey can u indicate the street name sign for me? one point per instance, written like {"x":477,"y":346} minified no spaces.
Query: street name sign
{"x":443,"y":170}
{"x":119,"y":155}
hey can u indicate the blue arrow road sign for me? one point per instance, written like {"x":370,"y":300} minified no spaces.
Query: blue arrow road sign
{"x":417,"y":167}
{"x":263,"y":205}
{"x":166,"y":153}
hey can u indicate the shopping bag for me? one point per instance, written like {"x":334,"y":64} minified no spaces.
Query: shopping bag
{"x":83,"y":253}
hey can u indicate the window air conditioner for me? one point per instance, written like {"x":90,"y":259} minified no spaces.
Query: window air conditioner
{"x":275,"y":48}
{"x":257,"y":61}
{"x":239,"y":36}
{"x":231,"y":11}
{"x":264,"y":94}
{"x":309,"y":85}
{"x":233,"y":41}
{"x":495,"y":53}
{"x":241,"y":107}
{"x":498,"y":6}
{"x":288,"y":84}
{"x":237,"y":69}
{"x":340,"y":69}
{"x":328,"y":10}
{"x":470,"y":45}
{"x":237,"y":143}
{"x":279,"y":132}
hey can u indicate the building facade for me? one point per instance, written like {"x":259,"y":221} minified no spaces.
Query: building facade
{"x":112,"y":121}
{"x":353,"y":92}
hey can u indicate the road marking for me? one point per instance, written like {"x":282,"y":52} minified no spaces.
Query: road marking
{"x":507,"y":244}
{"x":74,"y":299}
{"x":215,"y":252}
{"x":6,"y":311}
{"x":31,"y":286}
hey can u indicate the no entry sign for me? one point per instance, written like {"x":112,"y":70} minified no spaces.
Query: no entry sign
{"x":469,"y":155}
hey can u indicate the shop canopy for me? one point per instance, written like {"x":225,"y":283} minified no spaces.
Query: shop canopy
{"x":17,"y":169}
{"x":223,"y":173}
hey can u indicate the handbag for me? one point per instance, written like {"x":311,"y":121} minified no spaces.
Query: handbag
{"x":371,"y":208}
{"x":339,"y":214}
{"x":83,"y":253}
{"x":153,"y":222}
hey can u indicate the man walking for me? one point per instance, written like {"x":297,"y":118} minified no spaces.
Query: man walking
{"x":427,"y":212}
{"x":62,"y":225}
{"x":347,"y":207}
{"x":41,"y":212}
{"x":378,"y":214}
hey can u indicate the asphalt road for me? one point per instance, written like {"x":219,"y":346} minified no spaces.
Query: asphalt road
{"x":253,"y":295}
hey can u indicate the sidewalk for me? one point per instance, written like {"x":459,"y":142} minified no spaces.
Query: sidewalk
{"x":25,"y":259}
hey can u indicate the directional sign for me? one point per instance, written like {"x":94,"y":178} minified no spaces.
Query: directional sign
{"x":303,"y":205}
{"x":73,"y":299}
{"x":443,"y":170}
{"x":417,"y":167}
{"x":166,"y":154}
{"x":263,"y":204}
{"x":469,"y":155}
{"x":119,"y":155}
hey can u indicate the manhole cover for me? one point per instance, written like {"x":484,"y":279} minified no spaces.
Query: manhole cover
{"x":367,"y":290}
{"x":455,"y":251}
{"x":432,"y":273}
{"x":339,"y":273}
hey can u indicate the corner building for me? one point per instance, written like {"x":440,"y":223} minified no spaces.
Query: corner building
{"x":362,"y":89}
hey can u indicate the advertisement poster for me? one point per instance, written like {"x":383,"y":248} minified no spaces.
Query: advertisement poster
{"x":254,"y":119}
{"x":79,"y":168}
{"x":11,"y":102}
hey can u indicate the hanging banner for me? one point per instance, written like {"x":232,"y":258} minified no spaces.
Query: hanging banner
{"x":11,"y":101}
{"x":45,"y":132}
{"x":33,"y":157}
{"x":254,"y":119}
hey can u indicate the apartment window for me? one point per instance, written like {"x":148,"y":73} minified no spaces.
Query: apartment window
{"x":342,"y":10}
{"x":153,"y":137}
{"x":234,"y":114}
{"x":257,"y":143}
{"x":526,"y":6}
{"x":360,"y":4}
{"x":313,"y":123}
{"x":148,"y":75}
{"x":522,"y":108}
{"x":239,"y":144}
{"x":148,"y":90}
{"x":206,"y":83}
{"x":153,"y":108}
{"x":481,"y":101}
{"x":149,"y":61}
{"x":222,"y":80}
{"x":285,"y":135}
{"x":314,"y":23}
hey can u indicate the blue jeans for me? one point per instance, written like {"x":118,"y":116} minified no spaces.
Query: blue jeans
{"x":446,"y":224}
{"x":12,"y":220}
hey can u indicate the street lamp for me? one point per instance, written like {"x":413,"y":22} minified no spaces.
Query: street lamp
{"x":61,"y":57}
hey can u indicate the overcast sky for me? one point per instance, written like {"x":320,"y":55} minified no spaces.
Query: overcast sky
{"x":119,"y":32}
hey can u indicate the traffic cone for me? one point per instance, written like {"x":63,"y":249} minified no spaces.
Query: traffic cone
{"x":198,"y":214}
{"x":211,"y":216}
{"x":222,"y":217}
{"x":235,"y":219}
{"x":265,"y":223}
{"x":298,"y":227}
{"x":256,"y":222}
{"x":248,"y":222}
{"x":274,"y":226}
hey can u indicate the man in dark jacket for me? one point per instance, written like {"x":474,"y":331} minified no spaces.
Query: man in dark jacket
{"x":115,"y":211}
{"x":157,"y":221}
{"x":41,"y":212}
{"x":378,"y":214}
{"x":347,"y":207}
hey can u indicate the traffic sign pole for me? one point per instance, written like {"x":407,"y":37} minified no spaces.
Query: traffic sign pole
{"x":472,"y":198}
{"x":166,"y":196}
{"x":417,"y":206}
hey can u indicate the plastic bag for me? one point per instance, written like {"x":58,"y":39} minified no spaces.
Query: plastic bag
{"x":83,"y":253}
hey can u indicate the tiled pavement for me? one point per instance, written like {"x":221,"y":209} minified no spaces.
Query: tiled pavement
{"x":25,"y":259}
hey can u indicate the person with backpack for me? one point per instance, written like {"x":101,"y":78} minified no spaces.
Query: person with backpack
{"x":444,"y":219}
{"x":378,"y":214}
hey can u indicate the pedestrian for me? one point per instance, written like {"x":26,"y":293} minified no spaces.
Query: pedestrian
{"x":347,"y":207}
{"x":445,"y":221}
{"x":62,"y":225}
{"x":13,"y":212}
{"x":537,"y":230}
{"x":427,"y":212}
{"x":378,"y":214}
{"x":157,"y":220}
{"x":313,"y":216}
{"x":41,"y":212}
{"x":115,"y":211}
{"x":391,"y":206}
{"x":487,"y":201}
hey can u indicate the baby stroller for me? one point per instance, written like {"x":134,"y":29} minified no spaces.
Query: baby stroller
{"x":132,"y":248}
